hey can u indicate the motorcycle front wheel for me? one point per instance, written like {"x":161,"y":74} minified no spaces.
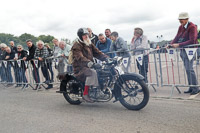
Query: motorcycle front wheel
{"x":134,"y":93}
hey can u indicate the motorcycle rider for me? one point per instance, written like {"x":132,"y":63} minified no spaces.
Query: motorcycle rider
{"x":83,"y":52}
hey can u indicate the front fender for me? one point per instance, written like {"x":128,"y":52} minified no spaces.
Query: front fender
{"x":136,"y":75}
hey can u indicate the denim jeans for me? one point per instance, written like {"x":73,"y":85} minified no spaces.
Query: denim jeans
{"x":9,"y":77}
{"x":45,"y":72}
{"x":20,"y":75}
{"x":2,"y":73}
{"x":49,"y":66}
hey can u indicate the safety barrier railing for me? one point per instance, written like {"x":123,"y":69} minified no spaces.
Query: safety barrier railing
{"x":14,"y":72}
{"x":173,"y":71}
{"x":34,"y":73}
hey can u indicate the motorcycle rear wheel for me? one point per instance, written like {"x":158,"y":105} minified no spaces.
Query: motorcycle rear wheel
{"x":134,"y":93}
{"x":70,"y":96}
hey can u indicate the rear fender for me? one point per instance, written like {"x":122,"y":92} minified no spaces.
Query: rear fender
{"x":64,"y":79}
{"x":64,"y":76}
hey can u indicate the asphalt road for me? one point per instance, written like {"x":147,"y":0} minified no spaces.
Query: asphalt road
{"x":47,"y":112}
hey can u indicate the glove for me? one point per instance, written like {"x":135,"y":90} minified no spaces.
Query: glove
{"x":97,"y":66}
{"x":90,"y":64}
{"x":109,"y":60}
{"x":93,"y":65}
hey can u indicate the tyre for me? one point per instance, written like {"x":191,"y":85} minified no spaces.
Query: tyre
{"x":134,"y":93}
{"x":73,"y":91}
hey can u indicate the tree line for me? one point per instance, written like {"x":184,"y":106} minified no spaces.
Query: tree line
{"x":6,"y":38}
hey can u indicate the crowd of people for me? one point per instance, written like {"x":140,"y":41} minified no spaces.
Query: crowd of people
{"x":87,"y":46}
{"x":39,"y":56}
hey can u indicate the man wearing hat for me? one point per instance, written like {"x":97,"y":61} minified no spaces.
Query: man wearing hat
{"x":187,"y":34}
{"x":83,"y":52}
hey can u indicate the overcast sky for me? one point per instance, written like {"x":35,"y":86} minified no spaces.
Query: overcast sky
{"x":62,"y":18}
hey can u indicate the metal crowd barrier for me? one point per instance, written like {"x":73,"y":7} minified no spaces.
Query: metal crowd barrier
{"x":33,"y":74}
{"x":14,"y":72}
{"x":172,"y":70}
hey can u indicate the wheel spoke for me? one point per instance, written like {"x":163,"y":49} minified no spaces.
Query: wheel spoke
{"x":129,"y":93}
{"x":72,"y":95}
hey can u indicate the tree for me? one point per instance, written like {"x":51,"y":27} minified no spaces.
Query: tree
{"x":6,"y":38}
{"x":46,"y":39}
{"x":26,"y":36}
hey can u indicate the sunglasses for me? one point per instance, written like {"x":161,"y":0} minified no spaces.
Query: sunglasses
{"x":19,"y":48}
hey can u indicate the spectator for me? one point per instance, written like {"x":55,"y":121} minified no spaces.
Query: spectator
{"x":120,"y":46}
{"x":92,"y":36}
{"x":20,"y":70}
{"x":56,"y":47}
{"x":187,"y":34}
{"x":49,"y":61}
{"x":12,"y":46}
{"x":140,"y":42}
{"x":157,"y":47}
{"x":103,"y":44}
{"x":30,"y":57}
{"x":2,"y":57}
{"x":41,"y":53}
{"x":63,"y":56}
{"x":10,"y":54}
{"x":108,"y":33}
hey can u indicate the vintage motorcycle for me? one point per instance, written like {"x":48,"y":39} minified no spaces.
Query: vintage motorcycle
{"x":127,"y":88}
